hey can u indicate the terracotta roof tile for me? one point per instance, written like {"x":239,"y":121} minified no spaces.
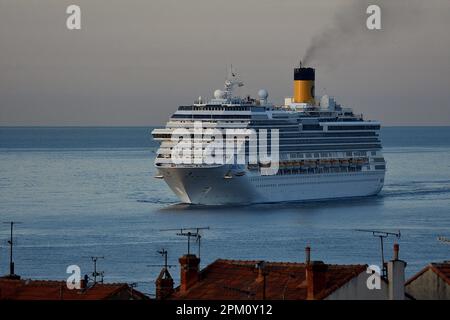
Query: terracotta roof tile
{"x":57,"y":290}
{"x":235,"y":279}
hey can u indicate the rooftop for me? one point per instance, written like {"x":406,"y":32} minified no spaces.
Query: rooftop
{"x":233,"y":279}
{"x":13,"y":289}
{"x":442,"y":269}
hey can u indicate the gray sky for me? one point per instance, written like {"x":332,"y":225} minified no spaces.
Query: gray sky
{"x":135,"y":61}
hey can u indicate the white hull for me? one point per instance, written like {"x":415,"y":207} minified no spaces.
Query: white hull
{"x":209,"y":187}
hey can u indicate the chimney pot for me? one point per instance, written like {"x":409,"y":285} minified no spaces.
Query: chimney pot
{"x":396,"y":250}
{"x":307,"y":255}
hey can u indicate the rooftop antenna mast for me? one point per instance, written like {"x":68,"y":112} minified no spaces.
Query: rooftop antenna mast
{"x":11,"y":245}
{"x":163,"y":252}
{"x":189,"y":233}
{"x":231,"y":82}
{"x":96,"y":273}
{"x":382,"y":234}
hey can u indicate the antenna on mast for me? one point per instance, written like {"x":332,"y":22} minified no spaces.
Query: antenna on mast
{"x":96,"y":273}
{"x":381,"y":234}
{"x":11,"y":245}
{"x":231,"y":82}
{"x":163,"y":253}
{"x":190,"y":233}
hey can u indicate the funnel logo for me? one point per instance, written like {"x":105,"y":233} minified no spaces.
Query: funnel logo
{"x":234,"y":147}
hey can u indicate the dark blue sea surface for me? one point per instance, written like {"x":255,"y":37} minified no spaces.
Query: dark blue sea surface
{"x":81,"y":192}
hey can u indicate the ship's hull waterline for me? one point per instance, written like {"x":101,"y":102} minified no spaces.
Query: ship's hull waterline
{"x":219,"y":186}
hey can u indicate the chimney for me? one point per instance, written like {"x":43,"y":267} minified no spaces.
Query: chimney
{"x":262,"y":274}
{"x":307,"y":255}
{"x":396,"y":276}
{"x":84,"y":282}
{"x":304,"y":85}
{"x":189,"y":267}
{"x":396,"y":250}
{"x":164,"y":285}
{"x":316,"y":276}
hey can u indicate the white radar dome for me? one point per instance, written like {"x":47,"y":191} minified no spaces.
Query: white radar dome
{"x":219,"y":94}
{"x":263,"y":94}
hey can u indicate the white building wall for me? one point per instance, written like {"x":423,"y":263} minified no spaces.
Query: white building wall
{"x":356,"y":289}
{"x":429,"y":286}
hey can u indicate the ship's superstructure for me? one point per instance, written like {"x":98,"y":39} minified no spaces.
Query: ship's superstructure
{"x":325,"y":150}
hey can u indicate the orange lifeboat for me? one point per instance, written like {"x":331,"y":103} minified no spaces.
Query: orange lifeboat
{"x":335,"y":163}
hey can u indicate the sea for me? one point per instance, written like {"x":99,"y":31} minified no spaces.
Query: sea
{"x":82,"y":192}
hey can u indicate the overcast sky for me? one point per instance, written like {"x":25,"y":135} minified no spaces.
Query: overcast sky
{"x":134,"y":61}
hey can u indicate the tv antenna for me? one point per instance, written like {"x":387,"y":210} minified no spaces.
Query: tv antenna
{"x":11,"y":245}
{"x":96,"y":273}
{"x":190,"y":233}
{"x":162,"y":252}
{"x":382,"y":234}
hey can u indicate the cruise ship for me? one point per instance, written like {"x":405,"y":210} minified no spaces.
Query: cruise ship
{"x":325,"y":150}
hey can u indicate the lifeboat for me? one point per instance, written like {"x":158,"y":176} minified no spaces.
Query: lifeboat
{"x":327,"y":162}
{"x":228,"y":175}
{"x":252,"y":166}
{"x":312,"y":164}
{"x":264,"y":165}
{"x":344,"y":162}
{"x":335,"y":163}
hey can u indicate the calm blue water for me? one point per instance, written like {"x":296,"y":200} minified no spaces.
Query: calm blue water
{"x":82,"y":192}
